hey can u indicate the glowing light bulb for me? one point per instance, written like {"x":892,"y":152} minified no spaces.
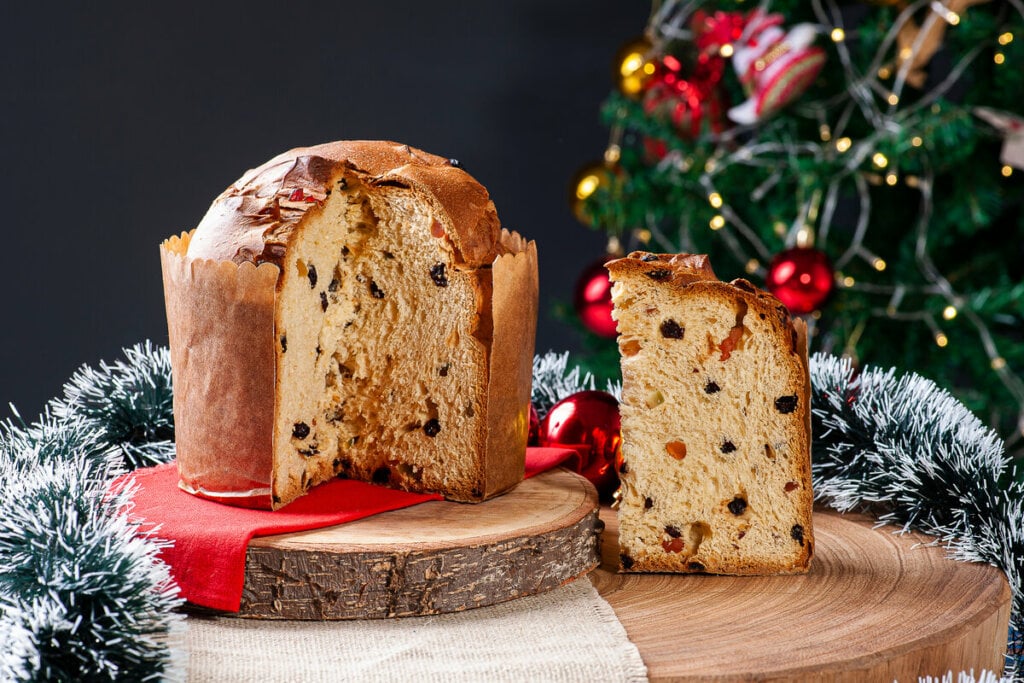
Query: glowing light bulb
{"x":880,"y":160}
{"x":613,"y":154}
{"x":949,"y":312}
{"x":848,"y":281}
{"x":726,"y":50}
{"x":1007,"y":171}
{"x":953,"y":18}
{"x":752,"y":266}
{"x":999,"y":58}
{"x":884,"y":72}
{"x":643,"y":235}
{"x":891,"y":178}
{"x":998,"y":363}
{"x":941,"y":340}
{"x":843,"y":144}
{"x":838,"y":35}
{"x":1006,"y":38}
{"x":916,"y":141}
{"x":718,"y":222}
{"x":893,"y":99}
{"x":587,"y":186}
{"x":825,"y":132}
{"x":879,"y":264}
{"x":715,"y":200}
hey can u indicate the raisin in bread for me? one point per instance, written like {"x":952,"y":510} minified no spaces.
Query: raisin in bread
{"x":715,"y":469}
{"x":351,"y":309}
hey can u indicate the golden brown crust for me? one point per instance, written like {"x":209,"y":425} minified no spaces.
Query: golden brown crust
{"x":676,"y":269}
{"x":253,"y":220}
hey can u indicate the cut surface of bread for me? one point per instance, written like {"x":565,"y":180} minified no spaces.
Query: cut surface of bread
{"x":384,"y":334}
{"x":715,"y":465}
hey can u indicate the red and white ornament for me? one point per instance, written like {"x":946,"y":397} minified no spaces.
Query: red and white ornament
{"x":775,"y":66}
{"x":588,"y":422}
{"x":592,"y":299}
{"x":801,"y":278}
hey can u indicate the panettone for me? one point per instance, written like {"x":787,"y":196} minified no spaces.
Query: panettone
{"x":351,"y":309}
{"x":715,"y":469}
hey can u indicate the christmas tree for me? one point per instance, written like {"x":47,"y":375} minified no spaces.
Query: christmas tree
{"x":862,"y":160}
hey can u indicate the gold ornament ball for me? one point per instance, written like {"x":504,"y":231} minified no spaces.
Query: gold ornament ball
{"x":588,"y":180}
{"x":632,"y":68}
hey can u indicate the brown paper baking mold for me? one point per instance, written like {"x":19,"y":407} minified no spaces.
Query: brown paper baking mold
{"x":220,"y":319}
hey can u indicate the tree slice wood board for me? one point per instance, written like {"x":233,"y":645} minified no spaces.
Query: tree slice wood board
{"x":431,"y":558}
{"x":875,"y":606}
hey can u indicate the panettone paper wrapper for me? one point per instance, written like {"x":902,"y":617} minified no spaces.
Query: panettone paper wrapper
{"x":514,"y":313}
{"x":220,"y":318}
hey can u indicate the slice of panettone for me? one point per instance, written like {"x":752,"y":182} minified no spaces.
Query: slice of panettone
{"x":715,"y":471}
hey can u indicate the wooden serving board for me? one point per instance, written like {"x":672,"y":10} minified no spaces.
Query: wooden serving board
{"x":874,"y":607}
{"x":430,"y":558}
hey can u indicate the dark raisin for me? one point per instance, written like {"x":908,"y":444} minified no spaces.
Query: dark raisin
{"x":660,"y":275}
{"x":333,"y":286}
{"x":476,"y":493}
{"x":672,"y":531}
{"x":284,"y":343}
{"x":345,"y":252}
{"x":670,"y":329}
{"x":388,"y":255}
{"x":323,"y":301}
{"x":737,"y":506}
{"x":276,"y":498}
{"x":375,"y":291}
{"x":455,"y":163}
{"x":381,"y":475}
{"x":649,"y":257}
{"x":712,"y":388}
{"x":311,"y":274}
{"x":624,"y":468}
{"x":432,"y":428}
{"x":309,"y":452}
{"x":695,"y":566}
{"x":300,"y":430}
{"x":786,"y":404}
{"x":438,"y":276}
{"x":443,"y":370}
{"x":728,"y":447}
{"x":797,"y":533}
{"x":762,"y":316}
{"x":648,"y":503}
{"x":336,"y":463}
{"x":626,"y":561}
{"x":318,"y":350}
{"x":343,"y":183}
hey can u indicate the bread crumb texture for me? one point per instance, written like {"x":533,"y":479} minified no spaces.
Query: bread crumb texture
{"x":716,"y":470}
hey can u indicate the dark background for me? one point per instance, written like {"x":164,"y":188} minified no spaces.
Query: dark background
{"x":121,"y":122}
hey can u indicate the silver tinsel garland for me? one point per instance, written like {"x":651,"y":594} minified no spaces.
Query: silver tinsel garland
{"x":83,"y":596}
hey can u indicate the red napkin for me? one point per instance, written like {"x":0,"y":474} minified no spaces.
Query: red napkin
{"x":207,"y":558}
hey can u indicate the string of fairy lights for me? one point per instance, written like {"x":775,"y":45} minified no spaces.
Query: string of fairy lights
{"x":876,"y":95}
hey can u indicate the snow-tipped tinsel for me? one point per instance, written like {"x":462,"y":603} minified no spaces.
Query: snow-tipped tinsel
{"x":553,"y":381}
{"x":130,"y":401}
{"x":907,"y":450}
{"x":83,"y":596}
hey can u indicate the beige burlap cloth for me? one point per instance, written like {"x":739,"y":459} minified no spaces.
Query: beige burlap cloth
{"x":569,"y":634}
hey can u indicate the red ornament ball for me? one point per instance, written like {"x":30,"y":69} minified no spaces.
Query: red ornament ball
{"x":588,"y":422}
{"x":801,"y":278}
{"x":593,"y":300}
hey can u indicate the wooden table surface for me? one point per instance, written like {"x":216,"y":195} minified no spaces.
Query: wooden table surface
{"x":875,"y":606}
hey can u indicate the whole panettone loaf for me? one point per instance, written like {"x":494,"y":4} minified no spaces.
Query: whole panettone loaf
{"x":351,"y":309}
{"x":715,"y":470}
